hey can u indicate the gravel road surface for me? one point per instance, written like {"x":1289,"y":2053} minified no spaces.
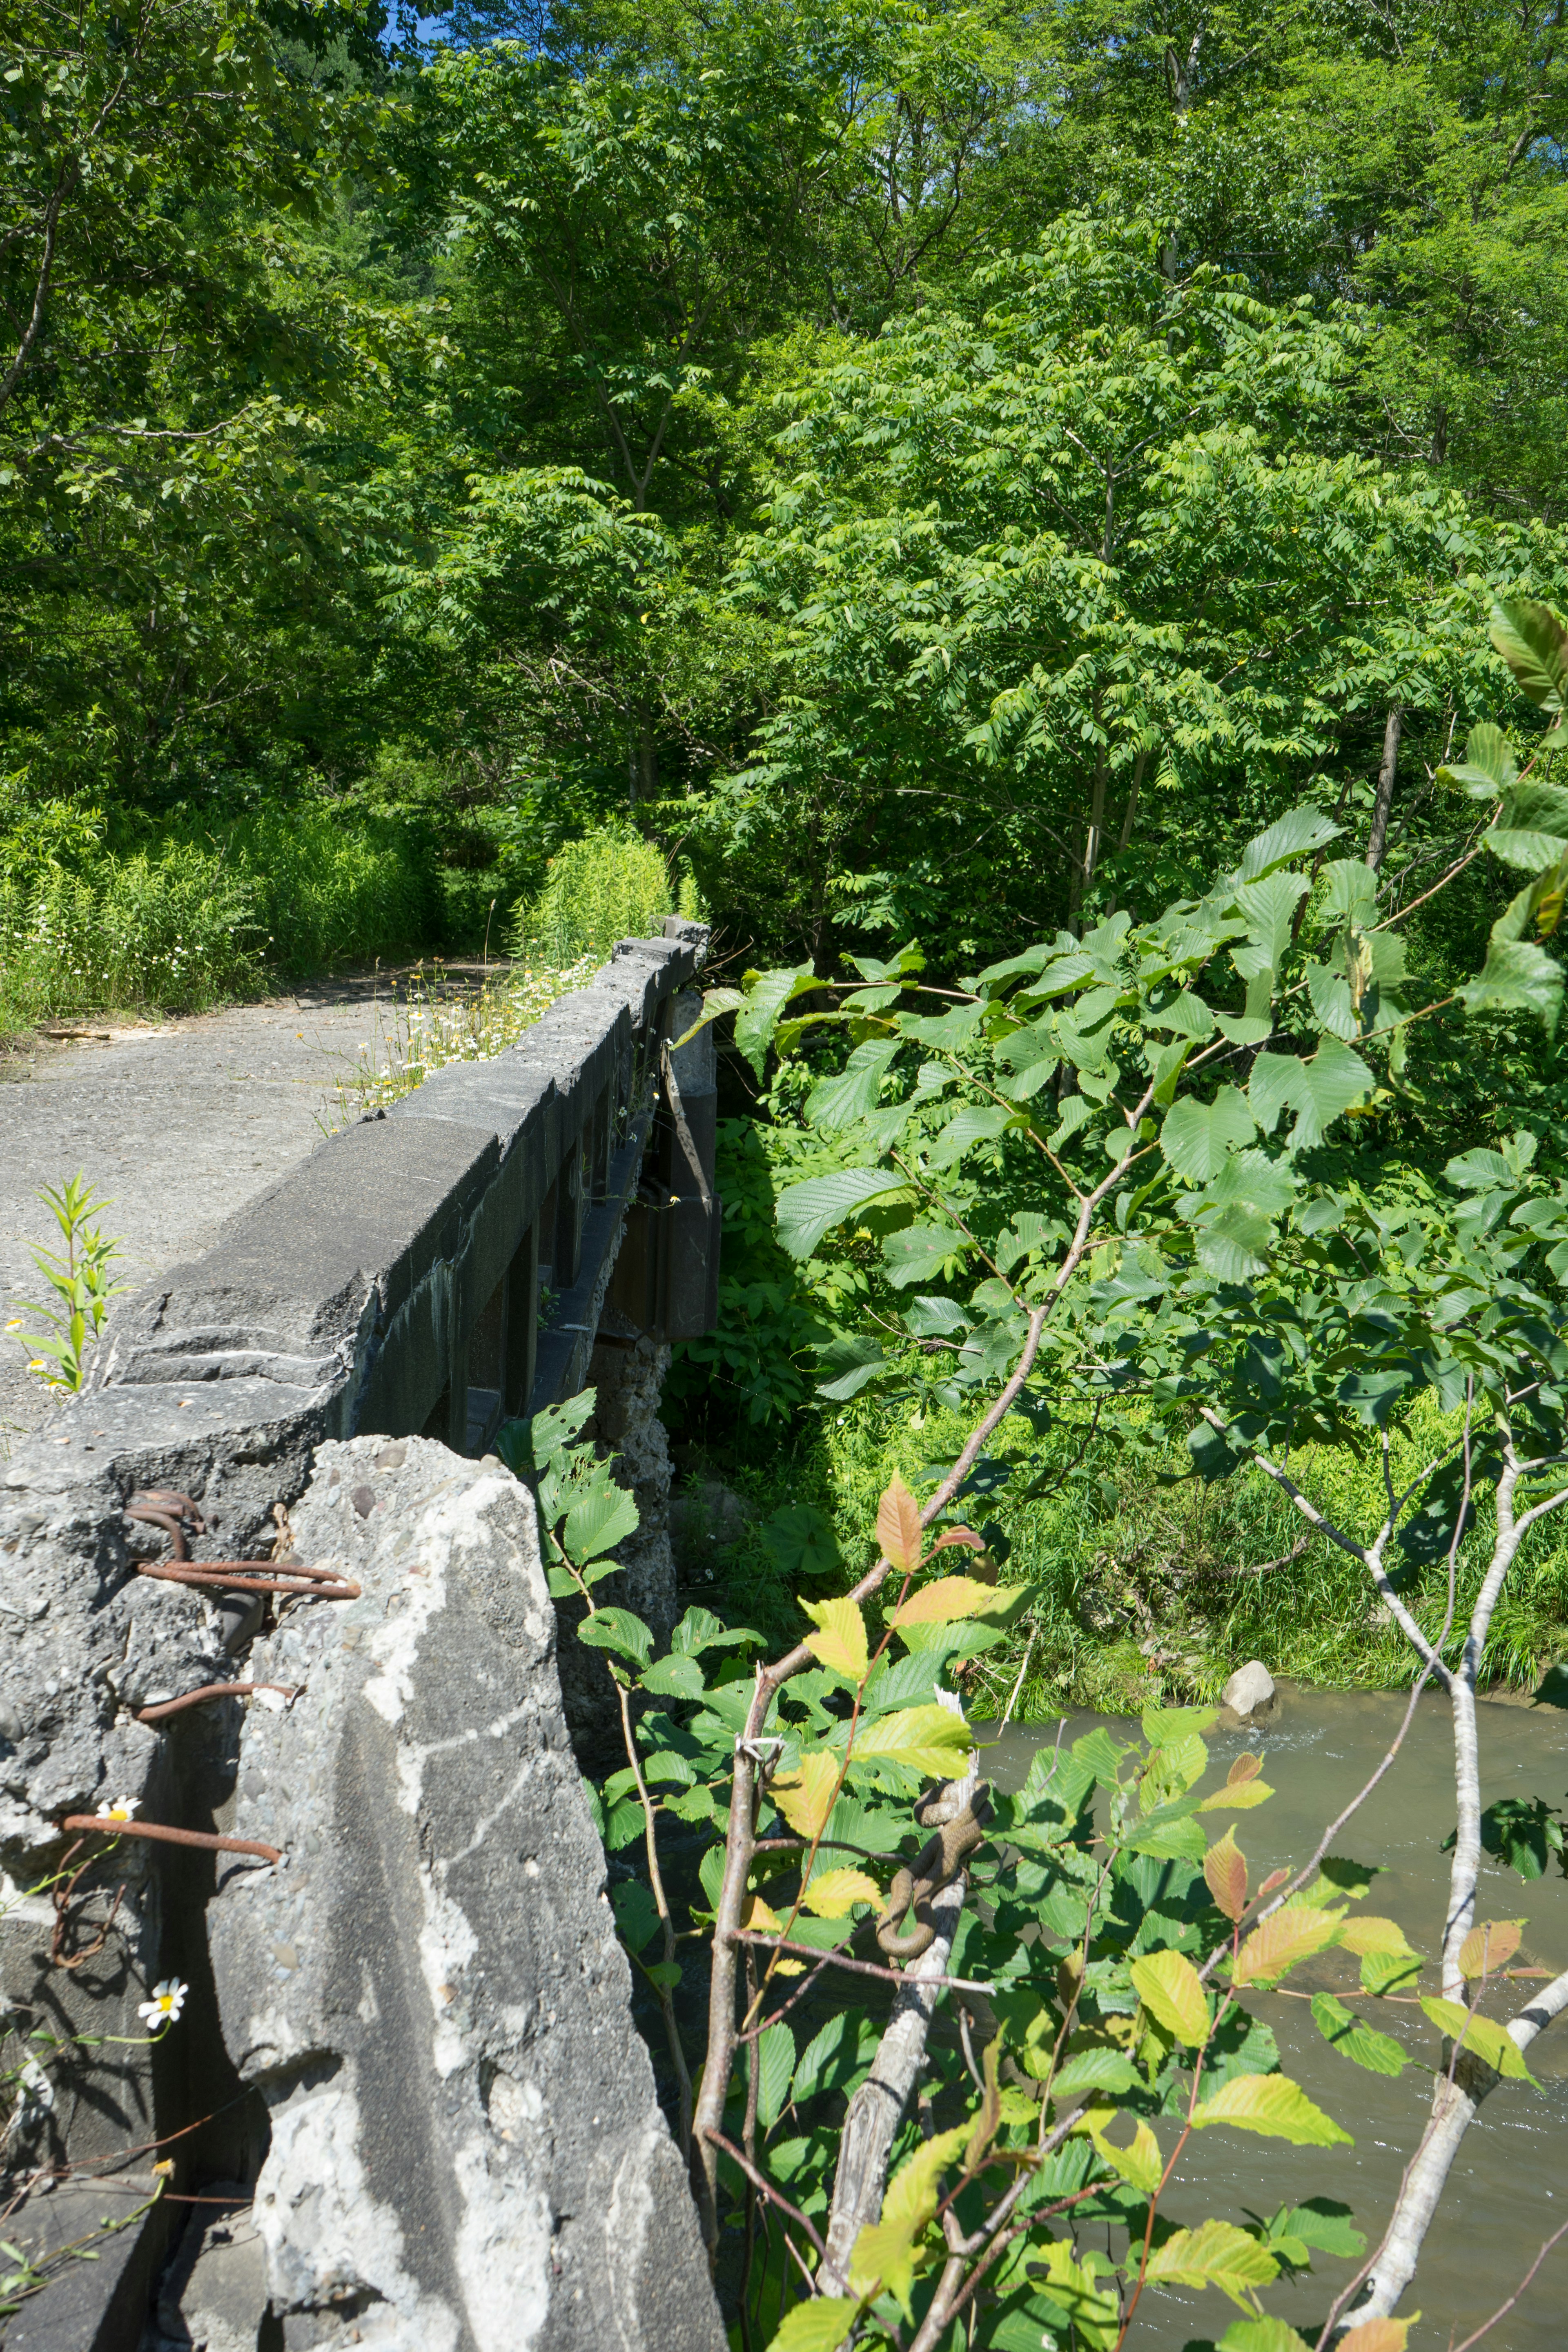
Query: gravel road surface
{"x":178,"y":1123}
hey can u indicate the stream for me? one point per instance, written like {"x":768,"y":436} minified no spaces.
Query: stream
{"x":1509,"y":2188}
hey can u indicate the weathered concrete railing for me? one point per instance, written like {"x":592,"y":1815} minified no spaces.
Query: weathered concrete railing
{"x":408,"y":2052}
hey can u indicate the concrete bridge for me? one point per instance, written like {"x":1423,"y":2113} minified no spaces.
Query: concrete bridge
{"x":404,"y":2094}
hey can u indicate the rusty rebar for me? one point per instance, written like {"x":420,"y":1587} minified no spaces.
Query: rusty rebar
{"x":107,"y":1825}
{"x":234,"y":1576}
{"x":168,"y":1706}
{"x":60,"y":1895}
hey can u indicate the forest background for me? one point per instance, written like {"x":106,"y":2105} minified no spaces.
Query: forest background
{"x":938,"y":473}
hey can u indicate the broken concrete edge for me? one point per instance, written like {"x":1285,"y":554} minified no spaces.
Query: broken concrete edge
{"x":220,"y":1381}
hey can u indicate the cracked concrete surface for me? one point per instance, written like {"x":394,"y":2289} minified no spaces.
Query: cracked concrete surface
{"x":178,"y":1123}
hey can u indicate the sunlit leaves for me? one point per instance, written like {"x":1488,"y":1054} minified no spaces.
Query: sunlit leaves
{"x":950,"y":1599}
{"x":1481,"y":2036}
{"x":1215,"y":2254}
{"x":1273,"y":2105}
{"x":885,"y":2251}
{"x":804,"y":1797}
{"x":1140,"y":2163}
{"x":1238,"y":1797}
{"x":926,"y":1739}
{"x":1378,"y":2335}
{"x":833,"y":1894}
{"x":1292,"y":1934}
{"x":1371,"y":1934}
{"x":839,"y":1642}
{"x":1167,"y":1984}
{"x":818,"y":2325}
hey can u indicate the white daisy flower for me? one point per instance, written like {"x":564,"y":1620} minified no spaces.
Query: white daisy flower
{"x":168,"y":1999}
{"x":124,"y":1808}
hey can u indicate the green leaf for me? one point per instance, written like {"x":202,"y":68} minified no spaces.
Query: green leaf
{"x":1295,"y":834}
{"x":1162,"y":1724}
{"x":915,"y":1252}
{"x":806,"y":1212}
{"x":1197,"y":1138}
{"x":1482,"y":2036}
{"x":773,"y":2057}
{"x":1535,"y":644}
{"x":1094,"y":2069}
{"x":1349,"y":890}
{"x":674,"y":1677}
{"x":1361,"y":2045}
{"x":1269,"y":909}
{"x":1267,"y":2335}
{"x":1328,"y":2227}
{"x":600,"y":1520}
{"x":700,"y":1630}
{"x":851,"y":1362}
{"x":617,"y":1629}
{"x":1488,"y":766}
{"x":978,"y":1123}
{"x":819,"y":2325}
{"x":801,"y":1540}
{"x":1386,"y":1972}
{"x":1332,"y":1081}
{"x":840,"y":1102}
{"x":637,"y":1913}
{"x":1274,"y":2106}
{"x":767,"y":993}
{"x":1532,"y":830}
{"x":1517,"y":977}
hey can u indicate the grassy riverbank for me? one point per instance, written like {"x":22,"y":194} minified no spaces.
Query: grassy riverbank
{"x":1142,"y":1581}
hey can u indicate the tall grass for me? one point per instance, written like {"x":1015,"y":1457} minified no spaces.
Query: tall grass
{"x":609,"y":885}
{"x":196,"y":919}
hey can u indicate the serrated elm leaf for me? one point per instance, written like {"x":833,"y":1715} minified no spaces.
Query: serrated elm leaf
{"x":1274,"y":2106}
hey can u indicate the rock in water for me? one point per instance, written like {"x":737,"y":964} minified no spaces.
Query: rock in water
{"x":1250,"y":1689}
{"x":467,"y":2152}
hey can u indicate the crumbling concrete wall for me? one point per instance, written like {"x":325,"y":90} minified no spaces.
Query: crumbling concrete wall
{"x":466,"y":2145}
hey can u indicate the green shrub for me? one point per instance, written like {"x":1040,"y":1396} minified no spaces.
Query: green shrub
{"x":609,"y":885}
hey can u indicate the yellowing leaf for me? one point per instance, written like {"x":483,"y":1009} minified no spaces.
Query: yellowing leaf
{"x":833,"y":1894}
{"x":818,"y":2325}
{"x":1224,"y":1867}
{"x":1379,"y":2336}
{"x":1245,"y":1767}
{"x":884,"y":2253}
{"x":839,"y":1642}
{"x":1290,"y":1935}
{"x":1482,"y":2036}
{"x":804,"y":1797}
{"x":927,"y":1738}
{"x":899,"y":1529}
{"x":1489,"y":1947}
{"x":1273,"y":2104}
{"x":760,"y":1917}
{"x":1215,"y":2254}
{"x":1372,"y":1934}
{"x":1142,"y":2165}
{"x":950,"y":1598}
{"x":1167,"y":1983}
{"x":1238,"y":1797}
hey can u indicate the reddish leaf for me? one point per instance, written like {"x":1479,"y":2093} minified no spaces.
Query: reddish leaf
{"x":1291,"y":1935}
{"x":958,"y":1536}
{"x":1224,"y":1867}
{"x":899,"y":1529}
{"x":1489,"y":1947}
{"x":1247,"y":1767}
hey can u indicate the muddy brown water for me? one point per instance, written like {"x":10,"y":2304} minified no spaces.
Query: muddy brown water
{"x":1509,"y":2188}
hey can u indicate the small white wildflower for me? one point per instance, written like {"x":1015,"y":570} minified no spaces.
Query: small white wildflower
{"x":124,"y":1808}
{"x":168,"y":1999}
{"x":38,"y":2091}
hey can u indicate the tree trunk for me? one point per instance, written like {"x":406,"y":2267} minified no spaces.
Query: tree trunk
{"x":1377,"y":841}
